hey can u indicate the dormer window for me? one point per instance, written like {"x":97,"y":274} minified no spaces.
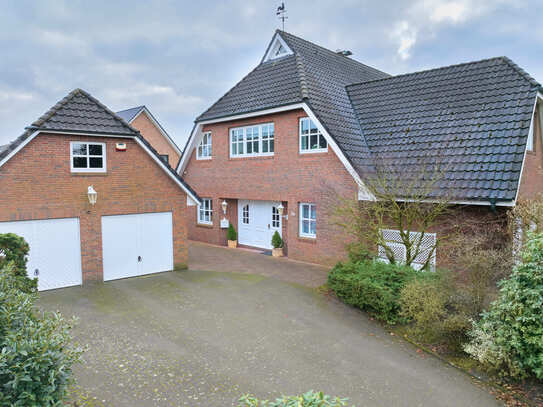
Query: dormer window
{"x":278,"y":49}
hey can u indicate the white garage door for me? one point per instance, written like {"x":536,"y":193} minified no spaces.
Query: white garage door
{"x":134,"y":245}
{"x":257,"y":222}
{"x":55,"y":250}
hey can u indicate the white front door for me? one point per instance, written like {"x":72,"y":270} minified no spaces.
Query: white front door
{"x":134,"y":245}
{"x":55,"y":250}
{"x":257,"y":222}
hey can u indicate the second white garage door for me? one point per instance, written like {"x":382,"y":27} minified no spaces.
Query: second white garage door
{"x":134,"y":245}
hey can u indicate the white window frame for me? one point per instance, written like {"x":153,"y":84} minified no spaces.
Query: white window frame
{"x":244,"y":142}
{"x":300,"y":209}
{"x":201,"y":220}
{"x":209,"y":138}
{"x":320,"y":135}
{"x":88,"y":170}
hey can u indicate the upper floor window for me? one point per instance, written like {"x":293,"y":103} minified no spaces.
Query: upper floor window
{"x":252,"y":141}
{"x":311,"y":139}
{"x":87,"y":157}
{"x":204,"y":148}
{"x":205,"y":211}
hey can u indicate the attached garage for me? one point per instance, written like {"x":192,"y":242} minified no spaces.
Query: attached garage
{"x":55,"y":250}
{"x":134,"y":245}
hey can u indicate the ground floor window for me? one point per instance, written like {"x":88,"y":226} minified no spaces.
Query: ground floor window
{"x":426,"y":244}
{"x":205,"y":211}
{"x":308,"y":220}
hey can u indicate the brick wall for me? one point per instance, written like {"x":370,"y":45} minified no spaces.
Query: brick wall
{"x":288,"y":176}
{"x":37,"y":184}
{"x":153,"y":135}
{"x":532,"y":174}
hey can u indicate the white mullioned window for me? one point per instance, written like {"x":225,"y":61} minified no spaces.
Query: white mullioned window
{"x":308,"y":220}
{"x":311,"y":139}
{"x":205,"y":211}
{"x":395,"y":243}
{"x":87,"y":157}
{"x":245,"y":215}
{"x":276,"y":219}
{"x":205,"y":147}
{"x":252,"y":141}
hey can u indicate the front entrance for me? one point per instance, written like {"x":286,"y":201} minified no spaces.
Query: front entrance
{"x":257,"y":222}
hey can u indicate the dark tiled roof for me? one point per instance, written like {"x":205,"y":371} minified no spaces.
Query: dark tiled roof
{"x":128,"y":114}
{"x":473,"y":118}
{"x":82,"y":113}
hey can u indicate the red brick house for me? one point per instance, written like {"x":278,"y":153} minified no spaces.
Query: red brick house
{"x":143,"y":120}
{"x":307,"y":123}
{"x":92,"y":197}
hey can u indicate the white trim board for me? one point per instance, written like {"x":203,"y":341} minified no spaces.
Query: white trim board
{"x":158,"y":126}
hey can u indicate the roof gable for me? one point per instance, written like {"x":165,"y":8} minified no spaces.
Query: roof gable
{"x":474,"y":118}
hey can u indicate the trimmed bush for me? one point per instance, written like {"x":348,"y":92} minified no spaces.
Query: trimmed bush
{"x":372,"y":286}
{"x":309,"y":399}
{"x":36,"y":350}
{"x":276,"y":241}
{"x":509,"y":336}
{"x":14,"y":251}
{"x":231,"y":233}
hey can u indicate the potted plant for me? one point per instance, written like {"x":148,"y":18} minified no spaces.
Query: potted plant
{"x":232,"y":237}
{"x":277,"y":244}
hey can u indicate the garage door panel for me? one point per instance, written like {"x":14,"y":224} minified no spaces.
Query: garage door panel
{"x":55,"y":250}
{"x":156,"y":244}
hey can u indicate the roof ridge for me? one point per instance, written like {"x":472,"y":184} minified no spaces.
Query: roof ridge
{"x":304,"y":89}
{"x":54,"y":109}
{"x":107,"y":109}
{"x":505,"y":59}
{"x":332,"y":53}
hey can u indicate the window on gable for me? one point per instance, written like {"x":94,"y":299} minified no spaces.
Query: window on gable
{"x":278,"y":49}
{"x":205,"y":211}
{"x":311,"y":139}
{"x":395,"y":244}
{"x":252,"y":141}
{"x":205,"y":147}
{"x":308,"y":220}
{"x":87,"y":157}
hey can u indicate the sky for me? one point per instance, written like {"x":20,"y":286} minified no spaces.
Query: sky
{"x":179,"y":57}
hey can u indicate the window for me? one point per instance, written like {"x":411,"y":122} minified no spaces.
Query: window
{"x":308,"y":220}
{"x":245,"y":215}
{"x":205,"y":211}
{"x":252,"y":141}
{"x":87,"y":157}
{"x":204,"y":148}
{"x":394,"y":242}
{"x":165,"y":158}
{"x":311,"y":139}
{"x":275,"y":217}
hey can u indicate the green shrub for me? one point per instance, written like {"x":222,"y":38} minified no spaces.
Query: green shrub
{"x":14,"y":251}
{"x":509,"y":336}
{"x":372,"y":285}
{"x":36,"y":351}
{"x":231,"y":234}
{"x":276,"y":241}
{"x":309,"y":399}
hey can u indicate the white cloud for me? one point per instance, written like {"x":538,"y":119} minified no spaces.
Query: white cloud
{"x":406,"y":36}
{"x":454,"y":11}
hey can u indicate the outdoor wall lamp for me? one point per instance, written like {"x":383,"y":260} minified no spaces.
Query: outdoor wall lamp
{"x":92,"y":194}
{"x":224,"y":206}
{"x":280,"y":210}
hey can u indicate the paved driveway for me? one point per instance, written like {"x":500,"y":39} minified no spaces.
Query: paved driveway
{"x":202,"y":338}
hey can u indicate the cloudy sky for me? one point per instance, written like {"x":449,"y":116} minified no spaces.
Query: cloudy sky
{"x":178,"y":57}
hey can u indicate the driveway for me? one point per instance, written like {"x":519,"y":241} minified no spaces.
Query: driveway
{"x":202,"y":338}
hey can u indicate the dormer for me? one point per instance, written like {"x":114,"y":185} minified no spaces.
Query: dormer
{"x":277,"y":49}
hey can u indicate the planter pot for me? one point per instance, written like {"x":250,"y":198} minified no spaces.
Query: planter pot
{"x":277,"y":252}
{"x":232,"y":244}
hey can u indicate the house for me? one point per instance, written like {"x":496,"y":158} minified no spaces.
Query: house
{"x":142,"y":120}
{"x":92,"y":197}
{"x":307,"y":125}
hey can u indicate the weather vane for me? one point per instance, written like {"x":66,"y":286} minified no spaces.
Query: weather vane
{"x":281,"y":13}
